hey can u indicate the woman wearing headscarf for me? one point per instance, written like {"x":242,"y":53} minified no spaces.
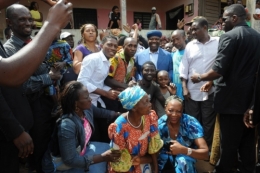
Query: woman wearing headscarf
{"x":135,"y":133}
{"x":183,"y":139}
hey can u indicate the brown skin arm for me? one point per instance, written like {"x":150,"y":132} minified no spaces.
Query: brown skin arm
{"x":200,"y":153}
{"x":77,"y":60}
{"x":111,"y":82}
{"x":19,"y":67}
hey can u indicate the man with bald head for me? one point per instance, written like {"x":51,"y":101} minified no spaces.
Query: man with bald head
{"x":122,"y":65}
{"x":236,"y":76}
{"x":178,"y":40}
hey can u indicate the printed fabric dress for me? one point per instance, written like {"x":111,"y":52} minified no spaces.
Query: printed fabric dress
{"x":132,"y":141}
{"x":190,"y":129}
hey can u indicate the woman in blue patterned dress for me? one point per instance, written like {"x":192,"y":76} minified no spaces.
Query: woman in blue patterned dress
{"x":183,"y":139}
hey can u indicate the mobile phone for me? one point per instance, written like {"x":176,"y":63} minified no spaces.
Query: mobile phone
{"x":168,"y":144}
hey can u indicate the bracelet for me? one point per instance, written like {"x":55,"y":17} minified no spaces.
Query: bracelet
{"x":189,"y":151}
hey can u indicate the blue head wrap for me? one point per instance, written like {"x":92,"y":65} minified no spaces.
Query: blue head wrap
{"x":154,"y":33}
{"x":131,"y":96}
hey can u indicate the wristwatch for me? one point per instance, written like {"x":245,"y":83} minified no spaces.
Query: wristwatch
{"x":199,"y":78}
{"x":189,"y":151}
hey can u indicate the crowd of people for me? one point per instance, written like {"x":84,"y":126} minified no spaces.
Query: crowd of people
{"x":118,"y":106}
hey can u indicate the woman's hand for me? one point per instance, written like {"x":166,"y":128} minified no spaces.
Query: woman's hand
{"x":136,"y":160}
{"x":111,"y":155}
{"x":176,"y":148}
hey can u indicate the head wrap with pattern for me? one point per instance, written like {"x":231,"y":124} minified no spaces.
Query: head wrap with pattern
{"x":131,"y":96}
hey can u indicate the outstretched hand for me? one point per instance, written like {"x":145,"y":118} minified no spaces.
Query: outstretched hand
{"x":180,"y":23}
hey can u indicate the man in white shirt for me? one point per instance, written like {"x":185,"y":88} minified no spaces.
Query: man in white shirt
{"x":94,"y":70}
{"x":199,"y":57}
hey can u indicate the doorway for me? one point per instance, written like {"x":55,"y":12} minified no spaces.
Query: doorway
{"x":172,"y":17}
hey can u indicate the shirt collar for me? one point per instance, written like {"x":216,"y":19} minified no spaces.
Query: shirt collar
{"x":157,"y":52}
{"x":210,"y":40}
{"x":18,"y":40}
{"x":104,"y":58}
{"x":122,"y":55}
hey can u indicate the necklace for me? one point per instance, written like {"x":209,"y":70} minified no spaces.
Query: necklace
{"x":95,"y":49}
{"x":132,"y":124}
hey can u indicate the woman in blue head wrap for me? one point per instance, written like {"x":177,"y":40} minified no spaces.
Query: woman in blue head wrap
{"x":135,"y":133}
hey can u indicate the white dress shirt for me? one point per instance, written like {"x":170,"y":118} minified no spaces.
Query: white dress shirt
{"x":93,"y":72}
{"x":198,"y":58}
{"x":154,"y":57}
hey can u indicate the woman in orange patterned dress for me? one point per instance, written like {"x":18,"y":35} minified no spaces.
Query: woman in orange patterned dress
{"x":135,"y":134}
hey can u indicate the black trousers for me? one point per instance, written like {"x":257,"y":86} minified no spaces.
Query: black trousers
{"x":236,"y":139}
{"x":101,"y":124}
{"x":203,"y":111}
{"x":9,"y":160}
{"x":41,"y":130}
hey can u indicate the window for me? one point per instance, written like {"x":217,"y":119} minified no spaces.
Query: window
{"x":144,"y":18}
{"x":82,"y":16}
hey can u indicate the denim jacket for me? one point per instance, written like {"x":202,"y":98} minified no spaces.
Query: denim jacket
{"x":70,"y":129}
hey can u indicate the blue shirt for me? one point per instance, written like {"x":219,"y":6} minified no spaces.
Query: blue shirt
{"x":176,"y":59}
{"x":189,"y":130}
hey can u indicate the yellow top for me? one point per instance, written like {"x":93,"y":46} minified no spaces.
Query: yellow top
{"x":36,"y":15}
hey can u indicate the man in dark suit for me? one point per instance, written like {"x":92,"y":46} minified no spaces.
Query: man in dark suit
{"x":235,"y":69}
{"x":161,"y":58}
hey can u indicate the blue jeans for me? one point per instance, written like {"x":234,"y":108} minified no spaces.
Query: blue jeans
{"x":93,"y":148}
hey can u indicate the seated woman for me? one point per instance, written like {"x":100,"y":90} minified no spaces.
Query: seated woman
{"x":183,"y":139}
{"x":76,"y":152}
{"x":135,"y":134}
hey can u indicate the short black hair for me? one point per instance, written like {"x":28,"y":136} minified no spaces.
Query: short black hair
{"x":148,"y":63}
{"x":202,"y":22}
{"x":69,"y":96}
{"x":121,"y":41}
{"x":238,"y":10}
{"x":114,"y":7}
{"x":106,"y":38}
{"x":32,"y":5}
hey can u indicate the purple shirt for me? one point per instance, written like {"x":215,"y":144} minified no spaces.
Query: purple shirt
{"x":82,"y":48}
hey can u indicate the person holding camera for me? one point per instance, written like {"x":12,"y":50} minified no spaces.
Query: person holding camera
{"x":183,"y":139}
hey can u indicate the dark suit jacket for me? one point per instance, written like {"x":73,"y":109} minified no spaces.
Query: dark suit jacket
{"x":164,"y":62}
{"x":237,"y":62}
{"x":15,"y":111}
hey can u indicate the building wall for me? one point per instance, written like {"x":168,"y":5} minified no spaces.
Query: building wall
{"x":104,"y":7}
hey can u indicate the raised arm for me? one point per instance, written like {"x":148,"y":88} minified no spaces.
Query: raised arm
{"x":19,"y":67}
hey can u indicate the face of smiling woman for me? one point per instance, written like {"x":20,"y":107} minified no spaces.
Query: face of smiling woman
{"x":174,"y":111}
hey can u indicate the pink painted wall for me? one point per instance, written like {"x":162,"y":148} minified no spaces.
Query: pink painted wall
{"x":104,"y":6}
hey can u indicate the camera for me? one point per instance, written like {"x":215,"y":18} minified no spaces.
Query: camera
{"x":168,"y":144}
